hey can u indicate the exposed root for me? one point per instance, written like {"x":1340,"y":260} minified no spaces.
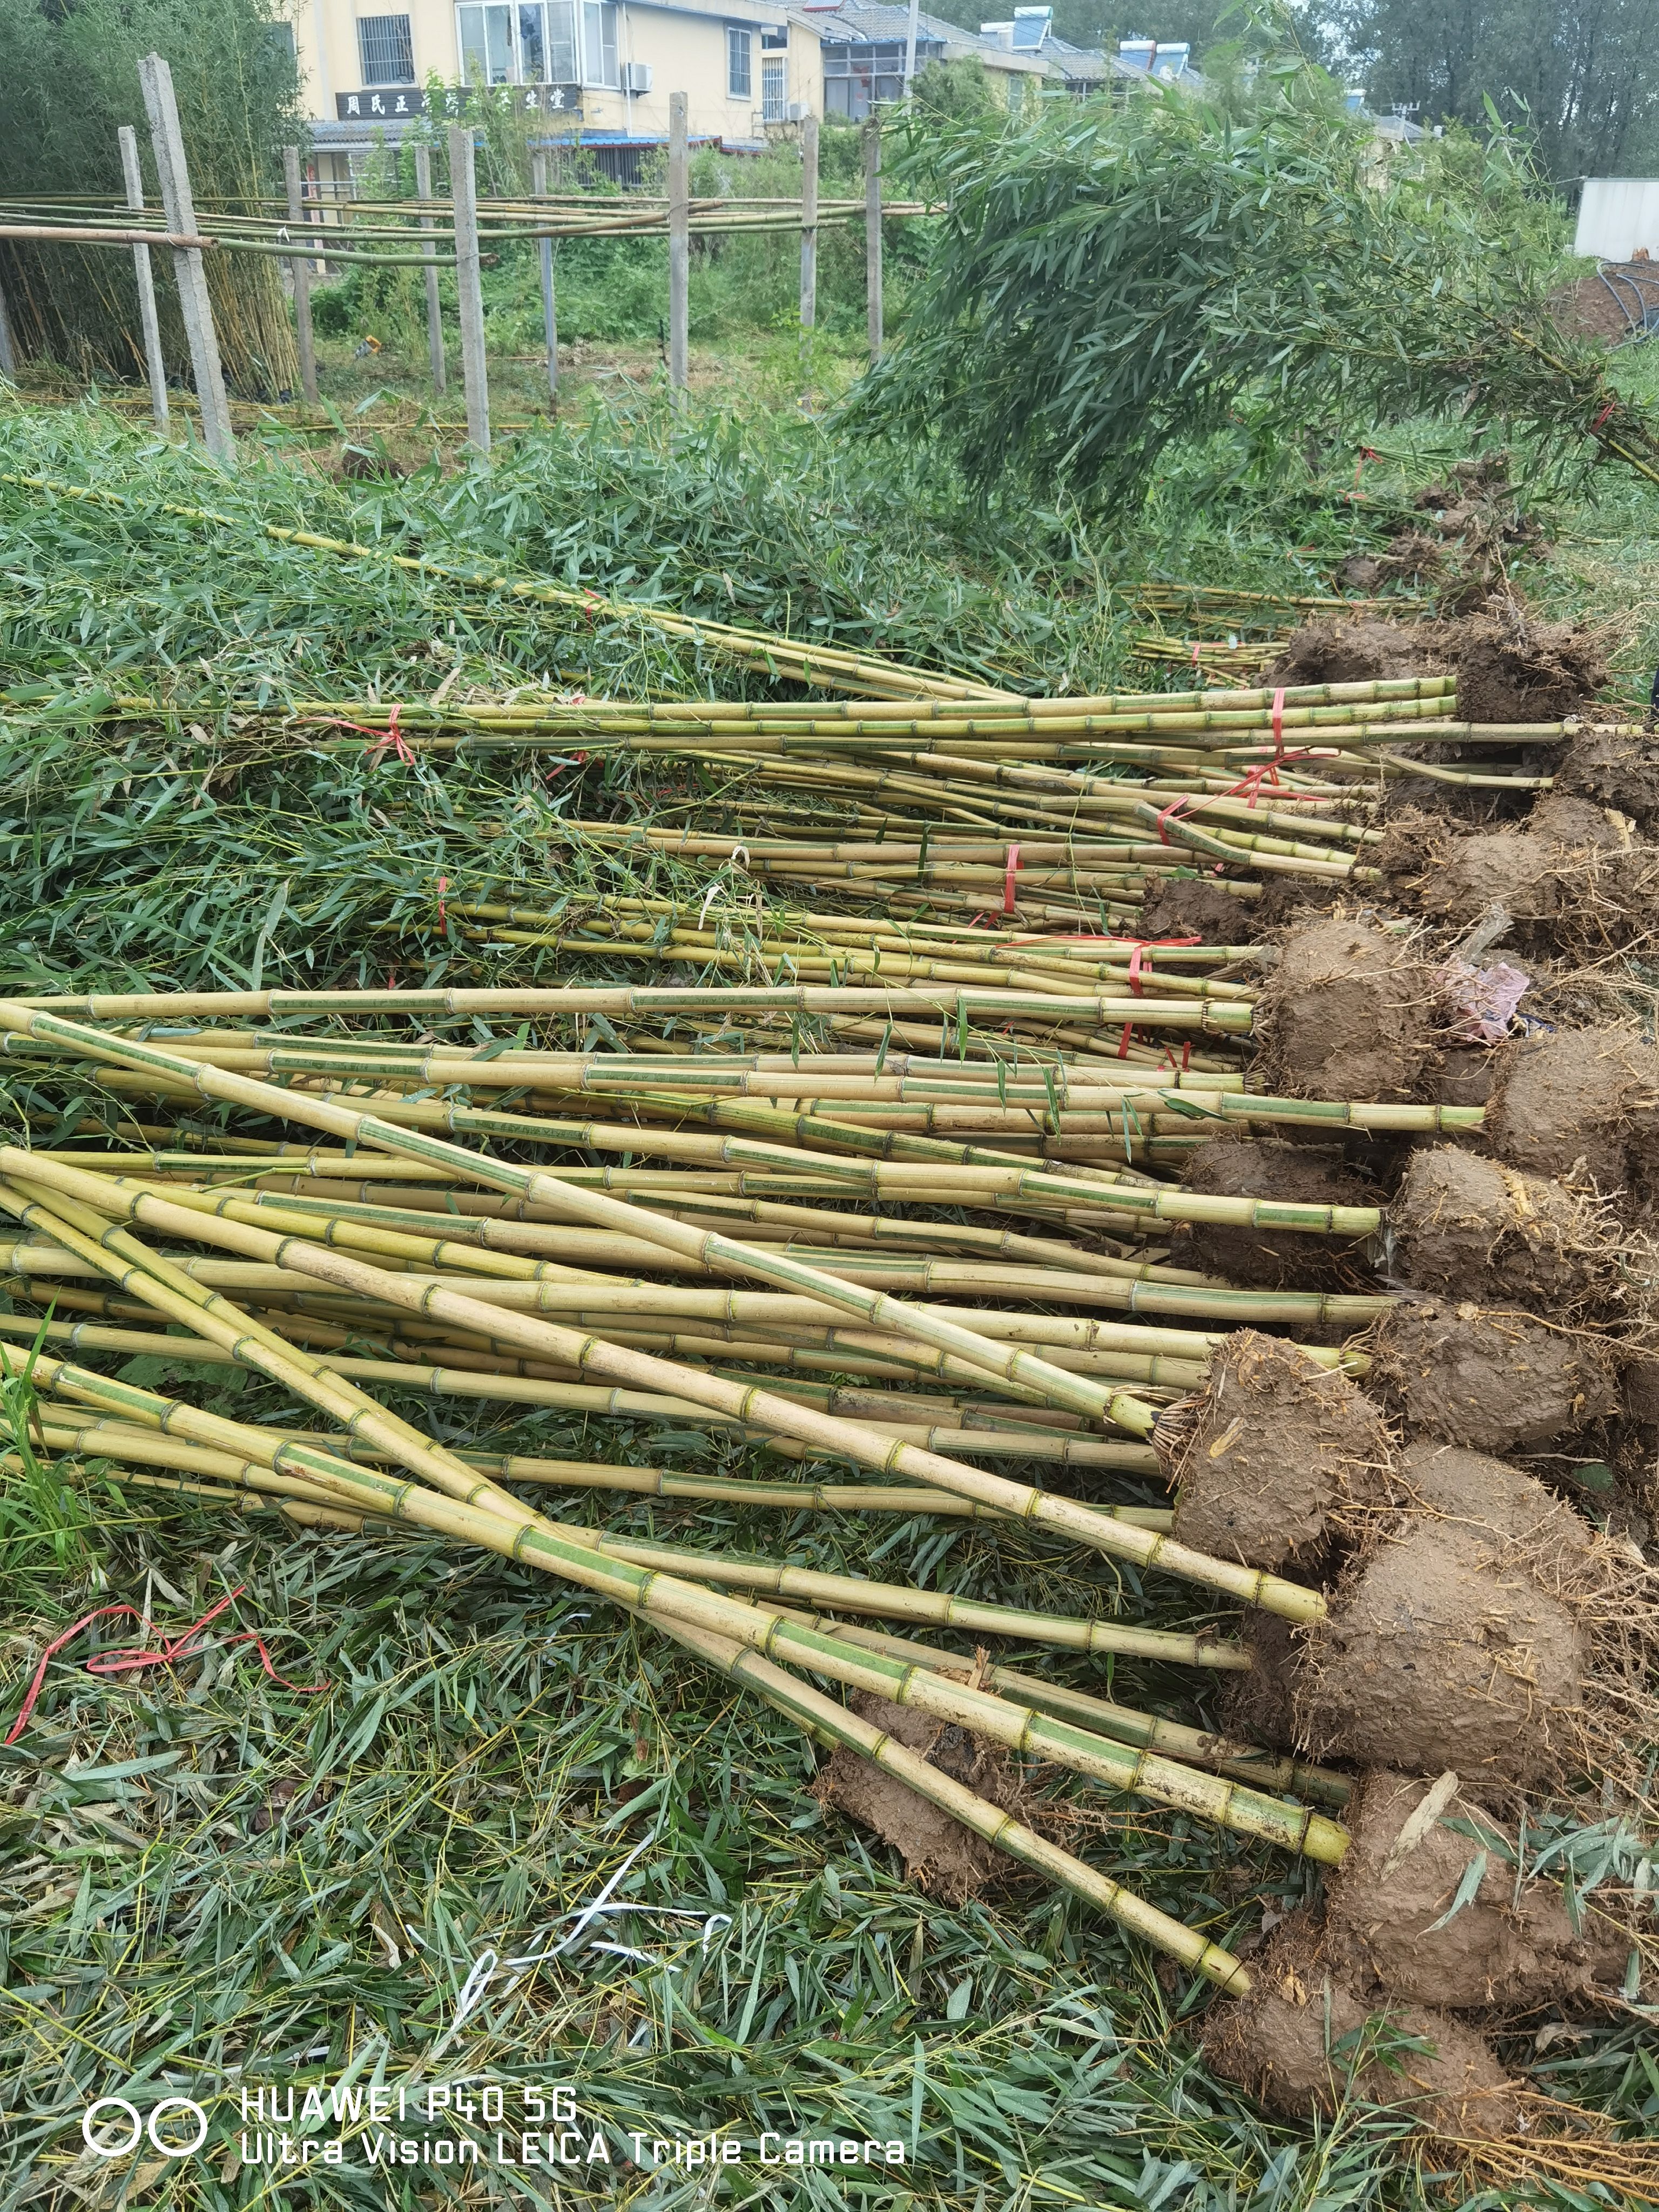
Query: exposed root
{"x":1269,"y":1451}
{"x":1487,"y":1628}
{"x":1303,"y":2042}
{"x":1467,"y":1228}
{"x":1346,"y":1012}
{"x":1491,"y":1379}
{"x":1401,"y":1914}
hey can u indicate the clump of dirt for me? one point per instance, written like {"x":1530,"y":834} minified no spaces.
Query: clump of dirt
{"x":940,"y":1856}
{"x":1577,"y":1100}
{"x":1448,"y":1645}
{"x":1188,"y":906}
{"x":1346,"y":1012}
{"x":1278,"y":1259}
{"x":1611,"y":769}
{"x":1569,"y":876}
{"x":1260,"y":1706}
{"x":1509,"y":669}
{"x":1393,"y":1916}
{"x":1465,"y":1078}
{"x":1491,"y":1380}
{"x":1455,"y":879}
{"x":1269,"y":1453}
{"x":1357,"y":650}
{"x":1303,"y":2043}
{"x":1465,"y":1227}
{"x":1564,"y":819}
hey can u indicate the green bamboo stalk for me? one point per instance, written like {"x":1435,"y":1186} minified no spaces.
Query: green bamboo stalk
{"x":572,"y":1348}
{"x":582,"y":1556}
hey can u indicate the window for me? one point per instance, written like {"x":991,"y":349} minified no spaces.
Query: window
{"x":599,"y":42}
{"x":385,"y":49}
{"x":774,"y":89}
{"x":858,"y":75}
{"x":535,"y":41}
{"x":740,"y":82}
{"x":562,"y":67}
{"x":532,"y":45}
{"x":485,"y":35}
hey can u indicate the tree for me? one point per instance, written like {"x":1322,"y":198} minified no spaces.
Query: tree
{"x":1582,"y":76}
{"x":1108,"y":280}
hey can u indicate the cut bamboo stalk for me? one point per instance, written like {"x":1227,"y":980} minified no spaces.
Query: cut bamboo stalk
{"x":594,"y":1563}
{"x":570,"y":1347}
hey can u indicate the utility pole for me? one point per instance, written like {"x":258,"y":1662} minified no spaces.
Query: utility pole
{"x":679,"y":246}
{"x":873,"y":234}
{"x":168,"y":141}
{"x":434,"y":315}
{"x":469,"y":283}
{"x":910,"y":48}
{"x":299,"y":267}
{"x":549,"y":300}
{"x":133,"y":177}
{"x":809,"y":222}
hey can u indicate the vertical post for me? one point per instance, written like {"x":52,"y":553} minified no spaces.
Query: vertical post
{"x":469,"y":282}
{"x":149,"y":321}
{"x":300,"y":269}
{"x":679,"y":246}
{"x":179,"y":209}
{"x":435,"y":318}
{"x":549,"y":301}
{"x":873,"y":234}
{"x":910,"y":47}
{"x":809,"y":222}
{"x":7,"y":349}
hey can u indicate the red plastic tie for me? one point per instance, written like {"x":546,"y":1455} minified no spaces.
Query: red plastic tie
{"x":133,"y":1660}
{"x":1181,"y":800}
{"x":1603,"y":416}
{"x":1011,"y":870}
{"x":1123,"y":1041}
{"x":1135,"y":958}
{"x":1278,"y":724}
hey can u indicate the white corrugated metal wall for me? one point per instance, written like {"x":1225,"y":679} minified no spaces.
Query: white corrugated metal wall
{"x":1616,"y":215}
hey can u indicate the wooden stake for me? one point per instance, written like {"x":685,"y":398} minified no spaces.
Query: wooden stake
{"x":8,"y":350}
{"x":150,"y":322}
{"x":809,"y":222}
{"x":299,"y":270}
{"x":873,"y":234}
{"x":679,"y":244}
{"x":550,"y":302}
{"x":179,"y":208}
{"x":434,"y":320}
{"x":469,"y":282}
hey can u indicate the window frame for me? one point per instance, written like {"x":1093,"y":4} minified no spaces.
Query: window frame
{"x":605,"y":14}
{"x":739,"y":41}
{"x":372,"y":79}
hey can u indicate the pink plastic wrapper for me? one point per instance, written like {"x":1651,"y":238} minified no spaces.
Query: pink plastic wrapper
{"x":1484,"y":999}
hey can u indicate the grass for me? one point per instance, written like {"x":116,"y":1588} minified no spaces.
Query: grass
{"x":210,"y":1882}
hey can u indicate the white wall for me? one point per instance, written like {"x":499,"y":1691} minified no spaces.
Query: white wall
{"x":1617,"y":214}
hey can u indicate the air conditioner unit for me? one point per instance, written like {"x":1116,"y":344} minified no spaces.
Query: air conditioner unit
{"x":796,"y":111}
{"x":636,"y":76}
